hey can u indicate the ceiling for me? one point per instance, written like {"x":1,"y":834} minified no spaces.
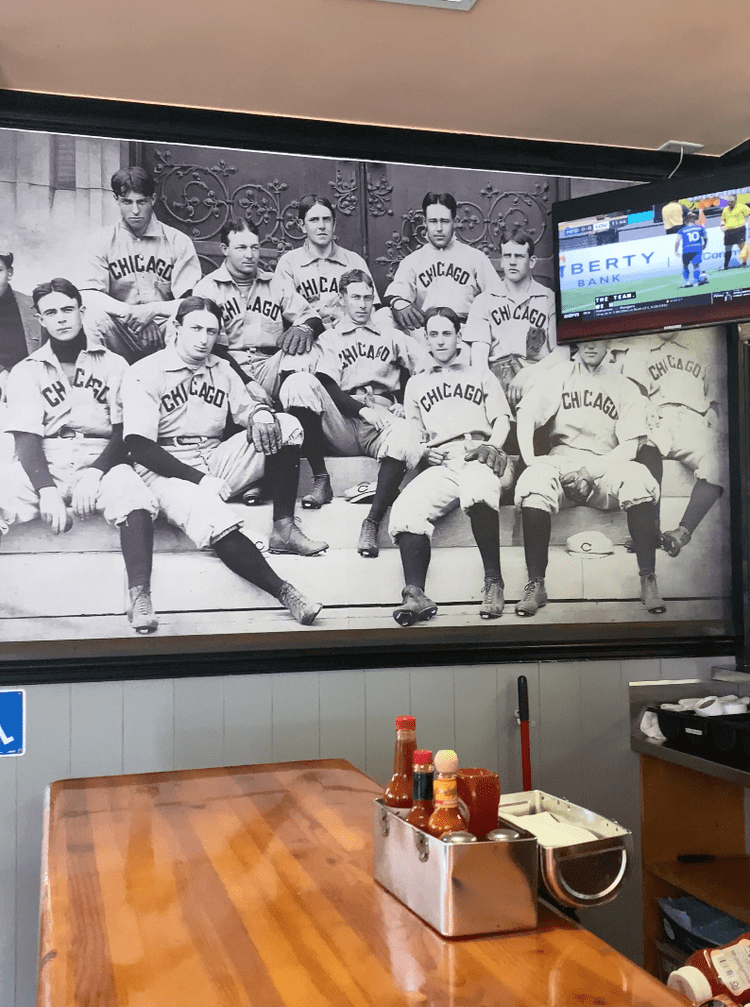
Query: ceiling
{"x":625,"y":74}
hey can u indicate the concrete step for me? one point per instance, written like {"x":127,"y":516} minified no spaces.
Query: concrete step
{"x":72,"y":585}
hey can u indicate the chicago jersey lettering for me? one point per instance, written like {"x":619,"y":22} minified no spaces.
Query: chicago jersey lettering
{"x":673,"y":370}
{"x":369,"y":355}
{"x":317,"y":279}
{"x":515,"y":324}
{"x":448,"y":277}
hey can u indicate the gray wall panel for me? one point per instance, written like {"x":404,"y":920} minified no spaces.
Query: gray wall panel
{"x":96,"y":725}
{"x":476,"y":730}
{"x":296,"y":717}
{"x":8,"y":813}
{"x":198,"y":722}
{"x":342,"y":717}
{"x":561,"y":748}
{"x":387,"y":696}
{"x":148,"y":726}
{"x":433,"y":705}
{"x":248,"y":703}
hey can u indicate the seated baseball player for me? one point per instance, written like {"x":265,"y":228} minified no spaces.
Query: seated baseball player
{"x":511,"y":328}
{"x":598,"y":422}
{"x":673,"y":371}
{"x":20,"y":332}
{"x":136,"y":270}
{"x":267,"y":328}
{"x":65,"y":413}
{"x":315,"y":268}
{"x":351,"y":405}
{"x":463,"y":420}
{"x":176,"y":403}
{"x":444,"y":271}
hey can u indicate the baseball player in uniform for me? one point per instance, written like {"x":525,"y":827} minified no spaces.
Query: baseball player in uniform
{"x":597,"y":425}
{"x":266,"y":326}
{"x":314,"y":269}
{"x":673,"y":372}
{"x":443,"y":272}
{"x":733,"y":224}
{"x":463,"y":419}
{"x":65,"y":413}
{"x":136,"y":270}
{"x":351,"y":405}
{"x":512,"y":327}
{"x":176,"y":404}
{"x":694,"y":240}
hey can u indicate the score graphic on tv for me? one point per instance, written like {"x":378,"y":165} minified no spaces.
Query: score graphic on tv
{"x":654,"y":256}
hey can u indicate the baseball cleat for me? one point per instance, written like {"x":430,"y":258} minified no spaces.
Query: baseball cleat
{"x":534,"y":598}
{"x":288,"y":537}
{"x":368,"y":538}
{"x":303,"y":610}
{"x":650,"y":595}
{"x":141,"y":614}
{"x":494,"y":599}
{"x":253,"y":497}
{"x":415,"y":607}
{"x":674,"y":541}
{"x":320,"y":494}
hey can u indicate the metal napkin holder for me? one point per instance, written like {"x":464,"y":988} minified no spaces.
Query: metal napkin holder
{"x":462,"y":889}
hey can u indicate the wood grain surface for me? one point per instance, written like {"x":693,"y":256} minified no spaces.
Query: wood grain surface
{"x":253,"y":886}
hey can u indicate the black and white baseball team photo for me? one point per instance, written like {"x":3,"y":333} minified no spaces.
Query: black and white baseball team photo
{"x":254,"y":393}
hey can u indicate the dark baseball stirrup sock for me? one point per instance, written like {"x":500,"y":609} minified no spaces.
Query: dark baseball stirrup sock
{"x":390,"y":474}
{"x":245,"y":559}
{"x":485,"y":526}
{"x":415,"y":558}
{"x":137,"y":545}
{"x":282,"y":476}
{"x":314,"y":446}
{"x":650,"y":456}
{"x":537,"y":528}
{"x":641,"y":528}
{"x":702,"y":499}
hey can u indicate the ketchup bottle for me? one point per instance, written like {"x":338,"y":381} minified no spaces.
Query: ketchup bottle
{"x":716,"y":973}
{"x":446,"y":817}
{"x":398,"y":793}
{"x":420,"y":813}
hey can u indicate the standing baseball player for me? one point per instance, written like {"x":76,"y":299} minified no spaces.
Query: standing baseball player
{"x":267,"y":327}
{"x":443,"y":272}
{"x":352,"y":405}
{"x":314,"y":269}
{"x":136,"y":270}
{"x":176,"y":404}
{"x":598,"y":422}
{"x":733,"y":224}
{"x":463,"y":418}
{"x":65,"y":413}
{"x":673,"y":371}
{"x":512,"y":327}
{"x":694,"y":239}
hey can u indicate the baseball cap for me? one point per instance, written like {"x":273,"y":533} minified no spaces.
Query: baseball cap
{"x":590,"y":543}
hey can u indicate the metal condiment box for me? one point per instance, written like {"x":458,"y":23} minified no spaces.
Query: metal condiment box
{"x":581,"y":875}
{"x":460,"y":890}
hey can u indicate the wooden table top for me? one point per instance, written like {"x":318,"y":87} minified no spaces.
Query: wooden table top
{"x":253,"y":886}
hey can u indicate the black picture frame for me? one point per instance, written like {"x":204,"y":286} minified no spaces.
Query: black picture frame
{"x":201,"y":655}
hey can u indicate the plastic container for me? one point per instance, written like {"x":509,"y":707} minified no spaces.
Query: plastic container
{"x":716,"y":973}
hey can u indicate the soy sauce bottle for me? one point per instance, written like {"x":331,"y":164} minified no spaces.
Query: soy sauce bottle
{"x":423,"y":807}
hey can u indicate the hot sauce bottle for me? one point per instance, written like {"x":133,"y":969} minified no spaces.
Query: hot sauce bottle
{"x":398,"y":793}
{"x":446,"y":817}
{"x":422,"y":808}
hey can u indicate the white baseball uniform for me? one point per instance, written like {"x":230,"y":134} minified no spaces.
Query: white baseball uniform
{"x":365,"y":361}
{"x":677,"y":376}
{"x":454,"y":406}
{"x":159,"y":265}
{"x":75,"y":420}
{"x":517,"y":326}
{"x":316,"y":277}
{"x":449,"y":277}
{"x":185,"y":409}
{"x":591,"y":414}
{"x":253,"y":320}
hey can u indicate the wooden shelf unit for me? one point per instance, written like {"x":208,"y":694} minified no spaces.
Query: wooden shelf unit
{"x":684,"y":811}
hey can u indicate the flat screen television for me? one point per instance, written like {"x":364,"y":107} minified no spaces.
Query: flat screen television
{"x":671,"y":254}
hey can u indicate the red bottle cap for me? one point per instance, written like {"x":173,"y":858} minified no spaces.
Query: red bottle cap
{"x":406,"y":723}
{"x":422,"y":757}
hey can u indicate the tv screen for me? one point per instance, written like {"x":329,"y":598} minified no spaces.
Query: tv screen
{"x":652,"y":257}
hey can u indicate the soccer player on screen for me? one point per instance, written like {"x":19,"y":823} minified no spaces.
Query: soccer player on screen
{"x":694,"y":240}
{"x":733,"y":218}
